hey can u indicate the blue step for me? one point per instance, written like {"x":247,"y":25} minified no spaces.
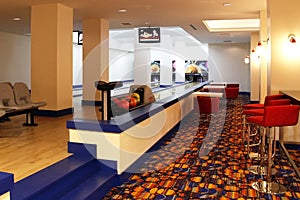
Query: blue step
{"x":61,"y":178}
{"x":95,"y":187}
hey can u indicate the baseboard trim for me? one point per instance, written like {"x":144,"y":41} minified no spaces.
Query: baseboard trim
{"x":54,"y":113}
{"x":91,"y":103}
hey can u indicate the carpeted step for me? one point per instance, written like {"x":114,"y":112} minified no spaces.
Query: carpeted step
{"x":56,"y":180}
{"x":95,"y":187}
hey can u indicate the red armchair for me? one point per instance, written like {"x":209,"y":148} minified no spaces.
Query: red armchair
{"x":231,"y":92}
{"x":208,"y":105}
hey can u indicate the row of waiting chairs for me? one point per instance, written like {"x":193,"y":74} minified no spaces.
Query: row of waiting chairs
{"x":16,"y":99}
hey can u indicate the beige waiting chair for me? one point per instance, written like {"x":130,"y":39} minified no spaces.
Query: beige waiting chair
{"x":7,"y":98}
{"x":23,"y":97}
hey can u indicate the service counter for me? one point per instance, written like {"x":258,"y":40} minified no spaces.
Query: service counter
{"x":291,"y":134}
{"x":125,"y":138}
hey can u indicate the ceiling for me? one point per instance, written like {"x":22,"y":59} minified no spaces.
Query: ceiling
{"x":141,"y":13}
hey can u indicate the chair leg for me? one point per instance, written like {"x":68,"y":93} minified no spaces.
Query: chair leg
{"x":268,"y":186}
{"x":262,"y":157}
{"x":248,"y":145}
{"x":244,"y":126}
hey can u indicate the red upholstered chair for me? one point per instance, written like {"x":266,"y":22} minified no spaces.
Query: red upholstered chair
{"x":231,"y":92}
{"x":267,"y":99}
{"x":208,"y":105}
{"x":277,"y":102}
{"x":274,"y":116}
{"x":233,"y":85}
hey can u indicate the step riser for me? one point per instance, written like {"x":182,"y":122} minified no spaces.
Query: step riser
{"x":68,"y":182}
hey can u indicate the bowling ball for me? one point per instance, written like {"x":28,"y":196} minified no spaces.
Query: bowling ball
{"x":137,"y":97}
{"x":132,"y":102}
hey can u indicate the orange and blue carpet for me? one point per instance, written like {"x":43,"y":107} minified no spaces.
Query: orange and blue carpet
{"x":206,"y":159}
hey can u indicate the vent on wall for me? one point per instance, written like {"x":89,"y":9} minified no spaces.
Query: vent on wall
{"x":126,"y":23}
{"x":193,"y":27}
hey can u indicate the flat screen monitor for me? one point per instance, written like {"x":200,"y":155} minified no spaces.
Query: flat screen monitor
{"x":149,"y":35}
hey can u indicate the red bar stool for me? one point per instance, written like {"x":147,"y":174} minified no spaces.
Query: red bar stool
{"x":259,"y":106}
{"x":260,"y":112}
{"x":260,"y":155}
{"x":274,"y":116}
{"x":208,"y":105}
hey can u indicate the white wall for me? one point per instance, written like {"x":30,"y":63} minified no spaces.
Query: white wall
{"x":225,"y":60}
{"x":15,"y":58}
{"x":120,"y":65}
{"x":77,"y":64}
{"x":226,"y":64}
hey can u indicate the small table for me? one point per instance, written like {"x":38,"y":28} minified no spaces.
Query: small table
{"x":208,"y":94}
{"x":214,"y":87}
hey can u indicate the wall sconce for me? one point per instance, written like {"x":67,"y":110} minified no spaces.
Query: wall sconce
{"x":247,"y":60}
{"x":259,"y":49}
{"x":292,"y":38}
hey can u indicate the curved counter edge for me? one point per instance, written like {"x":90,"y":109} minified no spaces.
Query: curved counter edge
{"x":127,"y":120}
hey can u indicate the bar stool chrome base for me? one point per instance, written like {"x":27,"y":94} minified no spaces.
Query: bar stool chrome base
{"x":269,"y":188}
{"x":261,"y":170}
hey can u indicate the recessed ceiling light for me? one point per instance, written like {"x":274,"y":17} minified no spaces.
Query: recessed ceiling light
{"x":122,"y":10}
{"x":147,"y":23}
{"x":226,"y":4}
{"x":232,"y":25}
{"x":16,"y":19}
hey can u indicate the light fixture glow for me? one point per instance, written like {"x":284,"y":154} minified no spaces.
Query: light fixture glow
{"x":16,"y":19}
{"x":122,"y":10}
{"x":259,"y":49}
{"x":292,"y":38}
{"x":247,"y":60}
{"x":232,"y":25}
{"x":226,"y":4}
{"x":259,"y":44}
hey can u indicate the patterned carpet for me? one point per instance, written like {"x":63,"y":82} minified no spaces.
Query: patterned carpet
{"x":205,"y":159}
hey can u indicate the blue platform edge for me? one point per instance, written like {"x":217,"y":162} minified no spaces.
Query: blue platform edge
{"x":6,"y":182}
{"x":123,"y":122}
{"x":59,"y":178}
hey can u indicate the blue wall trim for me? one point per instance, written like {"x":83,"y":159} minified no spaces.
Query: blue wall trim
{"x":179,"y":82}
{"x":244,"y":93}
{"x":77,"y":86}
{"x":53,"y":113}
{"x":91,"y":103}
{"x":164,"y":86}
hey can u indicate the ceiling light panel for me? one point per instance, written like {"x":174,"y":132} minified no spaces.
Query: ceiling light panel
{"x":232,"y":25}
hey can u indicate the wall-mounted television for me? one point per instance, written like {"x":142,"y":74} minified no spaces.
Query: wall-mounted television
{"x":149,"y":35}
{"x":77,"y":37}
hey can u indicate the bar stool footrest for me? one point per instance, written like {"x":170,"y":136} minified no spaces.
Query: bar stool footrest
{"x":269,"y":188}
{"x":261,"y":170}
